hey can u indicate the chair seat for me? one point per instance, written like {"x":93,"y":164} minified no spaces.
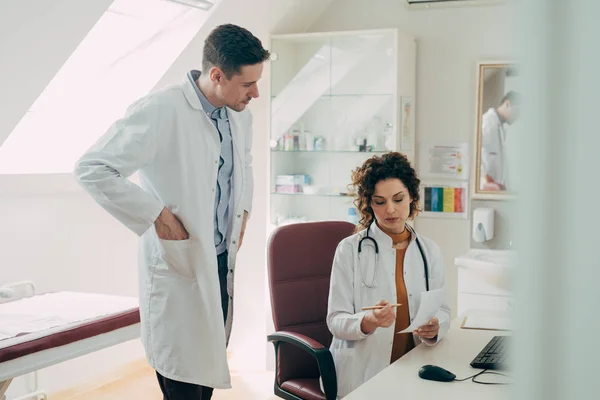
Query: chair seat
{"x":307,"y":389}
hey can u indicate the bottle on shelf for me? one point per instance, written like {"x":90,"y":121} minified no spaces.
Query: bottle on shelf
{"x":309,"y":138}
{"x":387,"y":135}
{"x":319,"y":143}
{"x":288,"y":142}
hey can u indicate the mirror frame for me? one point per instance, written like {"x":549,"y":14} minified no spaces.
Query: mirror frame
{"x":476,"y":192}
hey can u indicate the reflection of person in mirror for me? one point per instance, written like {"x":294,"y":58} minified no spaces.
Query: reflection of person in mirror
{"x":493,"y":141}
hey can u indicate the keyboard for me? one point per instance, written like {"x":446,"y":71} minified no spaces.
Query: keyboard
{"x":493,"y":355}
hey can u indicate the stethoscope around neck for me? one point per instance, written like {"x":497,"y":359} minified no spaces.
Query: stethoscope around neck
{"x":376,"y":246}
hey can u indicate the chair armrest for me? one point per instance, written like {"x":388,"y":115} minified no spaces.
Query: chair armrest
{"x":297,"y":339}
{"x":317,"y":350}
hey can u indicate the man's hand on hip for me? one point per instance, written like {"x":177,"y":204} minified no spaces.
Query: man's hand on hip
{"x":168,"y":226}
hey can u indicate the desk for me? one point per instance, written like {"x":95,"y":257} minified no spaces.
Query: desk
{"x":454,"y":353}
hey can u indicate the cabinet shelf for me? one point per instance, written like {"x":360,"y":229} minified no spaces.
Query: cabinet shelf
{"x":300,"y":194}
{"x":331,"y":151}
{"x":351,"y":95}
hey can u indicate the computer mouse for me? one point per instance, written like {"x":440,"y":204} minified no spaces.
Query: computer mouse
{"x":435,"y":373}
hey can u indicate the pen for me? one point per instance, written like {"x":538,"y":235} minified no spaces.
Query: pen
{"x":379,"y":307}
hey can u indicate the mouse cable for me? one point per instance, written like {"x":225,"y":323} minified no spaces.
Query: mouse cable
{"x":485,"y":371}
{"x":470,"y":377}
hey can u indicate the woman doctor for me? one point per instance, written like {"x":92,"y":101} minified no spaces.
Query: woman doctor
{"x":386,"y":268}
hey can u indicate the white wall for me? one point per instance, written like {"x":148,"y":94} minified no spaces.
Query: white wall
{"x":54,"y":234}
{"x":449,"y":43}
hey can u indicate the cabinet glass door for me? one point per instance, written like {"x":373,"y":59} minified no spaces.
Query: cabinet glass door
{"x":333,"y":102}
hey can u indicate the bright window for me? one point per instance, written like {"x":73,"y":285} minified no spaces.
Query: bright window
{"x":121,"y":59}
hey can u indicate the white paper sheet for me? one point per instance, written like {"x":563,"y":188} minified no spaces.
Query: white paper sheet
{"x":431,"y":303}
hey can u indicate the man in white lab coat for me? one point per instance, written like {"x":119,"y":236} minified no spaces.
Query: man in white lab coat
{"x":494,"y":168}
{"x":191,"y":144}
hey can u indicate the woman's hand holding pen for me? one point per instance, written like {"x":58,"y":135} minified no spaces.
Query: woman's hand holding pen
{"x":383,"y":317}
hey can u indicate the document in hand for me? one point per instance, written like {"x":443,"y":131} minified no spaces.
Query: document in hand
{"x":430,"y":304}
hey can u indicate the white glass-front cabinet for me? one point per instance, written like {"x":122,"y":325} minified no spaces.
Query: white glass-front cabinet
{"x":336,"y":99}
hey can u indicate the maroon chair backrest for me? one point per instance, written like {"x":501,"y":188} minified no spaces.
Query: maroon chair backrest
{"x":300,"y":257}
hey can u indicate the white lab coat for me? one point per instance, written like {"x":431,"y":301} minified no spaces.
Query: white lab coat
{"x":493,"y":142}
{"x":357,"y":356}
{"x":168,"y":138}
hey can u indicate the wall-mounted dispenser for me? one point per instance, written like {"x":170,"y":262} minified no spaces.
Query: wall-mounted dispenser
{"x":483,"y":224}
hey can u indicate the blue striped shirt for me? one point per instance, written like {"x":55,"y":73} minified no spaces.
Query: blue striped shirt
{"x":218,"y":117}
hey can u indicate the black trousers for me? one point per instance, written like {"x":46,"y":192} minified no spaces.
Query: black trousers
{"x":175,"y":390}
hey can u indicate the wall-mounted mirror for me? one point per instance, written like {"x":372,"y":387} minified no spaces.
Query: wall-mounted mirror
{"x":498,"y":107}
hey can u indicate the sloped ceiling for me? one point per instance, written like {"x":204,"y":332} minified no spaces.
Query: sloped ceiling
{"x":36,"y":38}
{"x":261,"y":17}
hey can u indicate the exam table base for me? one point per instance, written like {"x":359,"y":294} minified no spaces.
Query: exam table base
{"x":37,"y":395}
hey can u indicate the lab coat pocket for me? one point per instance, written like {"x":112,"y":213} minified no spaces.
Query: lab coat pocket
{"x":176,"y":256}
{"x":346,"y":370}
{"x":342,"y":358}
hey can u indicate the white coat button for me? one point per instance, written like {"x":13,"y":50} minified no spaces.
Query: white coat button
{"x":239,"y":216}
{"x":410,"y":295}
{"x":213,"y":190}
{"x":216,"y":161}
{"x":233,"y":241}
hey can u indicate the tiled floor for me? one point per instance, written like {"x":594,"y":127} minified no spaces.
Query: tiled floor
{"x":139,"y":382}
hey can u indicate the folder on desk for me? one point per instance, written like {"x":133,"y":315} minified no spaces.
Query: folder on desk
{"x":485,"y":322}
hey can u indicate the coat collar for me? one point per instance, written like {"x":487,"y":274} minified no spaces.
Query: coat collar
{"x":191,"y":96}
{"x":190,"y":93}
{"x":384,"y":239}
{"x":210,"y":110}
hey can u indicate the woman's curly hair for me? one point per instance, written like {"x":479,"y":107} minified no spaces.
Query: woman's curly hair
{"x":379,"y":168}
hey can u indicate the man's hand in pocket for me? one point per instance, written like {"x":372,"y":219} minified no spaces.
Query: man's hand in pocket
{"x":169,"y":227}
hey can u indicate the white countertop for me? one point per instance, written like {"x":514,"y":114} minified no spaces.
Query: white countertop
{"x":454,"y":353}
{"x":486,"y":258}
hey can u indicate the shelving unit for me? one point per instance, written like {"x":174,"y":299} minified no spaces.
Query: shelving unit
{"x":335,"y":101}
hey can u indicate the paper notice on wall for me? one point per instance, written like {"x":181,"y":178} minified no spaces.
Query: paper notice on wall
{"x":444,"y":161}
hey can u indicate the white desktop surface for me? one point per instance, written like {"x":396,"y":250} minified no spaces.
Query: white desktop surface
{"x":454,"y":353}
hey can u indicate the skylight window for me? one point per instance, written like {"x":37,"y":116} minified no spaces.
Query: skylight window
{"x":121,"y":59}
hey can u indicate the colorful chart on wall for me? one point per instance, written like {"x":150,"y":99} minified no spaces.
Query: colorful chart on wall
{"x":444,"y":200}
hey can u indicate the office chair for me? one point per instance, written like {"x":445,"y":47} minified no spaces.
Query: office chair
{"x":300,"y":257}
